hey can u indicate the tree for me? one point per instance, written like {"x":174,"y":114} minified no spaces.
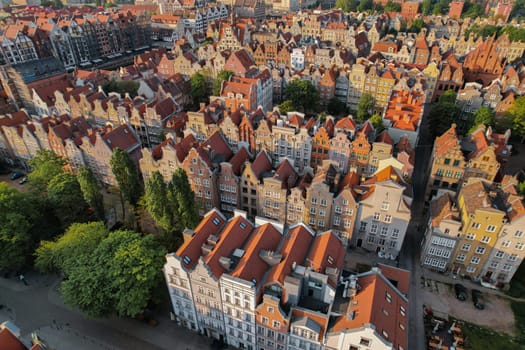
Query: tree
{"x":472,"y":10}
{"x":377,"y":122}
{"x":126,"y":175}
{"x":416,"y":25}
{"x":181,"y":191}
{"x":91,"y":191}
{"x":122,"y":87}
{"x":303,"y":94}
{"x":79,"y":239}
{"x":518,"y":116}
{"x":335,"y":106}
{"x":198,"y":88}
{"x":484,"y":115}
{"x":105,"y":274}
{"x":347,"y":5}
{"x":286,"y":106}
{"x":364,"y":107}
{"x":46,"y":165}
{"x":15,"y":238}
{"x":65,"y":196}
{"x":156,"y":201}
{"x":365,"y":5}
{"x":392,"y":6}
{"x":443,"y":113}
{"x":217,"y":83}
{"x":521,"y":188}
{"x":426,"y":6}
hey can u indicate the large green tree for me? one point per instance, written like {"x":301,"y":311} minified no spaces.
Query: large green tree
{"x":126,"y":174}
{"x":517,"y":112}
{"x":303,"y":94}
{"x":443,"y":113}
{"x":364,"y":107}
{"x":15,"y":237}
{"x":105,"y":274}
{"x":156,"y":201}
{"x":79,"y":239}
{"x":286,"y":106}
{"x":336,"y":107}
{"x":484,"y":115}
{"x":392,"y":6}
{"x":426,"y":7}
{"x":347,"y":5}
{"x":221,"y":76}
{"x":198,"y":88}
{"x":365,"y":5}
{"x":46,"y":165}
{"x":65,"y":196}
{"x":181,"y":192}
{"x":91,"y":191}
{"x":377,"y":121}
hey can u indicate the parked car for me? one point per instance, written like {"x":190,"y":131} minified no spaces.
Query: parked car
{"x":23,"y":181}
{"x":17,"y":175}
{"x":477,"y":299}
{"x":461,"y":292}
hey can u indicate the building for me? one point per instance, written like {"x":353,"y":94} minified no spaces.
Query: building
{"x":383,"y":213}
{"x":456,"y":8}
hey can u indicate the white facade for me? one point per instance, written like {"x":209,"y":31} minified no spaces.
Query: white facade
{"x":297,"y":59}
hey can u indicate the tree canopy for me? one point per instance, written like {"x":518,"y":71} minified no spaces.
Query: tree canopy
{"x":46,"y":165}
{"x":377,"y":121}
{"x":336,"y":107}
{"x":347,"y":5}
{"x":364,"y":107}
{"x":484,"y":115}
{"x":91,"y":191}
{"x":303,"y":94}
{"x":517,"y":114}
{"x":105,"y":273}
{"x":365,"y":5}
{"x":392,"y":6}
{"x":156,"y":201}
{"x":217,"y":83}
{"x":126,"y":174}
{"x":198,"y":88}
{"x":472,"y":10}
{"x":426,"y":7}
{"x":286,"y":106}
{"x":443,"y":113}
{"x":66,"y":198}
{"x":122,"y":87}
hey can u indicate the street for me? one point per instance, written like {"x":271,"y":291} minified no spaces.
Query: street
{"x":38,"y":307}
{"x":409,"y":256}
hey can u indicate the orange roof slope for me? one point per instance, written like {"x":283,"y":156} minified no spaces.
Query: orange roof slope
{"x":8,"y":341}
{"x":190,"y":251}
{"x":293,"y":250}
{"x":327,"y":252}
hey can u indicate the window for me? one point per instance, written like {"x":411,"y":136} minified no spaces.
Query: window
{"x":485,"y":239}
{"x":388,"y":297}
{"x":518,"y":234}
{"x":507,"y":267}
{"x":470,"y":236}
{"x":491,"y":228}
{"x":475,"y":260}
{"x":471,"y":269}
{"x":363,"y":226}
{"x":499,"y":254}
{"x":505,"y":244}
{"x":323,"y":202}
{"x":461,"y":257}
{"x":373,"y":229}
{"x":480,"y":250}
{"x":385,"y":206}
{"x":475,"y":225}
{"x":365,"y":342}
{"x":395,"y":233}
{"x":519,"y":245}
{"x":465,"y":247}
{"x":402,"y":311}
{"x":347,"y":223}
{"x":314,"y":200}
{"x":384,"y":231}
{"x":388,"y":218}
{"x":377,"y":216}
{"x":338,"y":210}
{"x":371,"y":240}
{"x":276,"y":324}
{"x":513,"y":257}
{"x":337,"y":220}
{"x":264,"y":320}
{"x":313,"y":211}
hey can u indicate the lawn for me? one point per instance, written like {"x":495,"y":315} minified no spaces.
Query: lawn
{"x":481,"y":338}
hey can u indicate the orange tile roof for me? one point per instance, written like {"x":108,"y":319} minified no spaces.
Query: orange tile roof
{"x":252,"y":267}
{"x":386,"y":174}
{"x":327,"y":252}
{"x":9,"y":342}
{"x":293,"y":249}
{"x":121,"y":137}
{"x":446,"y":142}
{"x":211,"y":224}
{"x":346,"y":123}
{"x":286,"y":174}
{"x":231,"y":237}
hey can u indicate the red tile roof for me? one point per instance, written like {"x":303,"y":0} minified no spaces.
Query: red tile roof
{"x":327,"y":252}
{"x":231,"y":237}
{"x":261,"y":164}
{"x":9,"y":342}
{"x":446,"y":142}
{"x":238,"y":160}
{"x":293,"y":249}
{"x":346,"y":123}
{"x":121,"y":137}
{"x":251,"y":266}
{"x":286,"y":174}
{"x":190,"y":251}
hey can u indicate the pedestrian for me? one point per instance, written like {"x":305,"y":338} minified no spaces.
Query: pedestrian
{"x":23,"y":279}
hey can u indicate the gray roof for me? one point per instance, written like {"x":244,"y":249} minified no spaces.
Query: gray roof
{"x":307,"y":323}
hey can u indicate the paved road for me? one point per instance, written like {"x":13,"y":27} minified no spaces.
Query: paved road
{"x":409,"y":257}
{"x":38,"y":306}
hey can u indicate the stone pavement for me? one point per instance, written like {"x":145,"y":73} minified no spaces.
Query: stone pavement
{"x":38,"y":308}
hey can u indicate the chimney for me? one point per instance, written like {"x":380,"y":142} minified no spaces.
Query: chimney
{"x":187,"y":234}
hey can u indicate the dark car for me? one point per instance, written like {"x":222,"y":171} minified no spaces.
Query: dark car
{"x":461,"y":292}
{"x":477,"y":299}
{"x":17,"y":175}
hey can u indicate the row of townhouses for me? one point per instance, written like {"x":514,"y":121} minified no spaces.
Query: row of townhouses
{"x":257,"y":286}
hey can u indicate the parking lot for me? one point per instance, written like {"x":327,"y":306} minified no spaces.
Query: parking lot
{"x":440,"y":297}
{"x":14,"y":183}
